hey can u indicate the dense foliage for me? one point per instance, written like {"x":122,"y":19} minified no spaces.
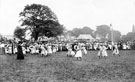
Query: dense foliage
{"x":41,"y":20}
{"x":19,"y":33}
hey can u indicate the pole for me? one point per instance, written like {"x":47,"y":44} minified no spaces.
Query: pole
{"x":111,"y":33}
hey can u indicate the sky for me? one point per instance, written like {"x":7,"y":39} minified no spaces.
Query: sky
{"x":74,"y":13}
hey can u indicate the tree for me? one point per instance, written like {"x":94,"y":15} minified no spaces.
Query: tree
{"x":85,"y":30}
{"x":19,"y":33}
{"x":129,"y":36}
{"x":41,"y":21}
{"x":77,"y":32}
{"x":116,"y":36}
{"x":51,"y":28}
{"x":102,"y":30}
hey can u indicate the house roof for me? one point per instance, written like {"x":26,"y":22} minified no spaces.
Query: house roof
{"x":9,"y":37}
{"x":85,"y":36}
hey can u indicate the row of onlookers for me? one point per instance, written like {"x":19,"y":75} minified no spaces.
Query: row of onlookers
{"x":61,"y":46}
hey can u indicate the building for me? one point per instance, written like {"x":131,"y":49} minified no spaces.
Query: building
{"x":9,"y":37}
{"x":86,"y":37}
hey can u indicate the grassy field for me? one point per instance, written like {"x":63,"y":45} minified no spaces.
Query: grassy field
{"x":59,"y":68}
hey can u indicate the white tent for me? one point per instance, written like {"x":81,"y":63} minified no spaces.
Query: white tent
{"x":9,"y":37}
{"x":85,"y":36}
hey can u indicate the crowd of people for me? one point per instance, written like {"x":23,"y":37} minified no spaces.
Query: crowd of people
{"x":76,"y":49}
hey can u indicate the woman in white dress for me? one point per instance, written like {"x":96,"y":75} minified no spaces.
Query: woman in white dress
{"x":104,"y":52}
{"x":116,"y":51}
{"x":78,"y":54}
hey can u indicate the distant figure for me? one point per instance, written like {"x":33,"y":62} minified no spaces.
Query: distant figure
{"x":100,"y":51}
{"x":49,"y":50}
{"x":84,"y":50}
{"x":43,"y":51}
{"x":70,"y":53}
{"x":104,"y":52}
{"x":116,"y":50}
{"x":20,"y":55}
{"x":78,"y":54}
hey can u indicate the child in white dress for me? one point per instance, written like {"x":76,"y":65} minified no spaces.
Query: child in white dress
{"x":84,"y":50}
{"x":100,"y":51}
{"x":70,"y":53}
{"x":33,"y":50}
{"x":54,"y":50}
{"x":116,"y":50}
{"x":43,"y":51}
{"x":104,"y":52}
{"x":10,"y":50}
{"x":78,"y":54}
{"x":49,"y":50}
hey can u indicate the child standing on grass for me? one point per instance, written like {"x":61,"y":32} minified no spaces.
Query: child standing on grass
{"x":49,"y":50}
{"x":116,"y":51}
{"x":70,"y":53}
{"x":84,"y":50}
{"x":100,"y":51}
{"x":104,"y":52}
{"x":78,"y":54}
{"x":43,"y":51}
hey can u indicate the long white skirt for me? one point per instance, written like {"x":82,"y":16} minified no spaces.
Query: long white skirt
{"x":33,"y":51}
{"x":78,"y":53}
{"x":85,"y":51}
{"x":71,"y":53}
{"x":24,"y":50}
{"x":44,"y":52}
{"x":15,"y":50}
{"x":116,"y":51}
{"x":100,"y":53}
{"x":49,"y":51}
{"x":104,"y":53}
{"x":54,"y":50}
{"x":37,"y":51}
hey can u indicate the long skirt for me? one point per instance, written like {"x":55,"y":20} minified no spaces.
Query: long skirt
{"x":104,"y":53}
{"x":100,"y":53}
{"x":44,"y":52}
{"x":49,"y":51}
{"x":78,"y":53}
{"x":20,"y":56}
{"x":116,"y":51}
{"x":71,"y":53}
{"x":85,"y":51}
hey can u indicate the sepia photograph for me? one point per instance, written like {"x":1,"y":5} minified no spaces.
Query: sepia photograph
{"x":67,"y":40}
